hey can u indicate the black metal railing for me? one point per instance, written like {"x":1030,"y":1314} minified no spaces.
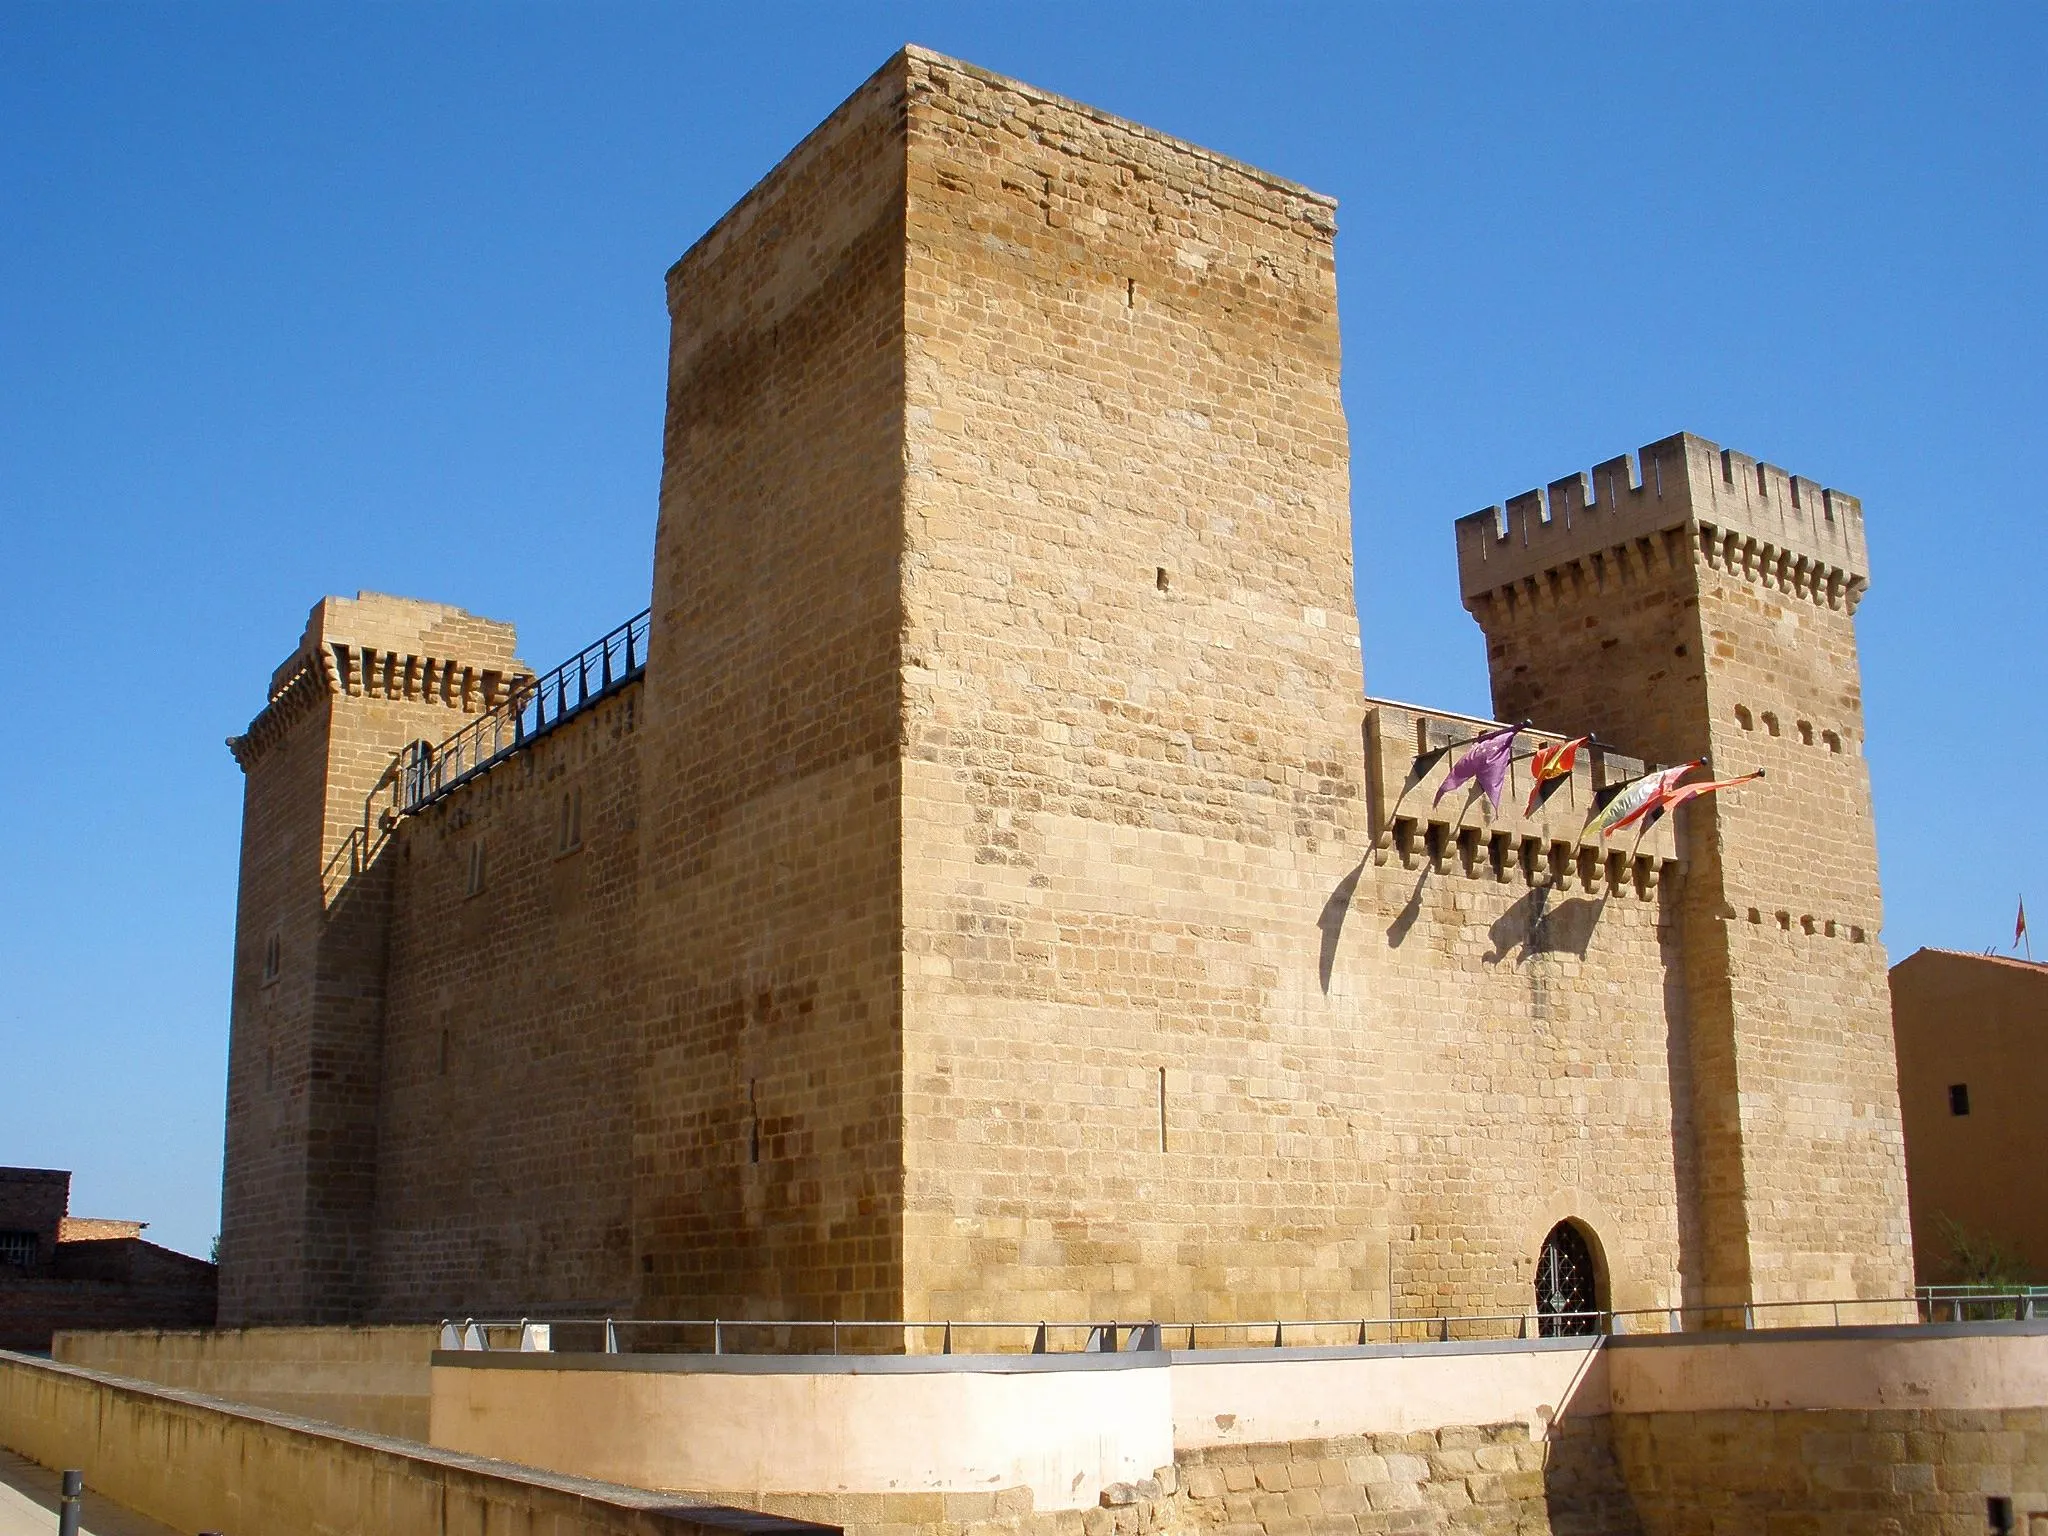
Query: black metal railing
{"x":600,"y":669}
{"x":723,"y":1336}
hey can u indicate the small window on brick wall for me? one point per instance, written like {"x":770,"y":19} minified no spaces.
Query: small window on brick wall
{"x":18,"y":1249}
{"x":1770,"y":722}
{"x":1744,"y":718}
{"x":273,"y":956}
{"x":569,"y":835}
{"x":1959,"y":1098}
{"x":474,"y":885}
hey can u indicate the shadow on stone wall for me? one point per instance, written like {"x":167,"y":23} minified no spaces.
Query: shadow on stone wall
{"x":1584,"y":1493}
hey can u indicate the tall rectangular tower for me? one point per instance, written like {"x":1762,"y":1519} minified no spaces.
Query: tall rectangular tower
{"x":1698,"y":604}
{"x":1002,"y":713}
{"x":1132,"y":704}
{"x":370,"y":676}
{"x":767,"y":1175}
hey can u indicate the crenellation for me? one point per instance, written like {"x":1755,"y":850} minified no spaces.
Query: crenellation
{"x":1778,"y":529}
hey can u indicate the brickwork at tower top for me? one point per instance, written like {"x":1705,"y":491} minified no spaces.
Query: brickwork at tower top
{"x":1789,"y":528}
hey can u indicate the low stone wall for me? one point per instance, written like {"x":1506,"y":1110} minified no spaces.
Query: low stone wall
{"x":1458,"y":1478}
{"x":1834,"y":1472}
{"x":375,"y":1379}
{"x":1903,"y":1430}
{"x":198,"y":1463}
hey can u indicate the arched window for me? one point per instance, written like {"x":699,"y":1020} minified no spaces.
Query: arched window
{"x":1567,"y":1285}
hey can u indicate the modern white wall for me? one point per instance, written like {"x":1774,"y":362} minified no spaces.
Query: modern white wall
{"x":1980,"y":1371}
{"x":1268,"y":1399}
{"x":1064,"y":1434}
{"x":1067,"y":1426}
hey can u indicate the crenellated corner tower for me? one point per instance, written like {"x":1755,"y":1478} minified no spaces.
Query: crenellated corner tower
{"x":1694,"y":603}
{"x":370,"y":676}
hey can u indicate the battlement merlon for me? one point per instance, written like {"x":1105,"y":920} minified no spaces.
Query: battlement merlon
{"x":1747,"y":515}
{"x":376,"y":645}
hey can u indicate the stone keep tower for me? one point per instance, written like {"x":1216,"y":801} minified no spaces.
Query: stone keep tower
{"x":1700,"y":604}
{"x":1003,"y":696}
{"x":369,"y":677}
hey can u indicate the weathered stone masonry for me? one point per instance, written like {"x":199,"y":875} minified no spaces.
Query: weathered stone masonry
{"x":999,"y":899}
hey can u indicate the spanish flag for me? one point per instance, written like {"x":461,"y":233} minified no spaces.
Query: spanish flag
{"x":1548,"y":763}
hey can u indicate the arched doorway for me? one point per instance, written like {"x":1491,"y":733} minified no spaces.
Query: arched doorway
{"x":1567,"y":1284}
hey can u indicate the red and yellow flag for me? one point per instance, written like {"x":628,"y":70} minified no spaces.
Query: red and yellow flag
{"x":1551,"y":762}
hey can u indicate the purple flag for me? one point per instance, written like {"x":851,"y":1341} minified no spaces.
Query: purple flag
{"x":1484,"y":763}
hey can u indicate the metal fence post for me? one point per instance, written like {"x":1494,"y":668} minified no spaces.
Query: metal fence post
{"x":67,"y":1509}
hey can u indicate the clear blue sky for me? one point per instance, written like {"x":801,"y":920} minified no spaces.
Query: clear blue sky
{"x":298,"y":300}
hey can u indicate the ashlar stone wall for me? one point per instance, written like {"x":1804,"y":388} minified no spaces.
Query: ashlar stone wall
{"x":1695,"y":604}
{"x":506,"y":1106}
{"x":1131,"y":699}
{"x":370,"y":675}
{"x":767,"y":1128}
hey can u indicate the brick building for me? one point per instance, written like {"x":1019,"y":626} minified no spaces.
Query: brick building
{"x":1972,"y":1038}
{"x":63,"y":1271}
{"x":983,"y":887}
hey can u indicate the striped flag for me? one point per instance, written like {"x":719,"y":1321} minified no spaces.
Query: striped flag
{"x":1638,"y":798}
{"x":1672,"y":799}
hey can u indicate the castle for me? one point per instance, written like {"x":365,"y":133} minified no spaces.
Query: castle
{"x":982,"y":887}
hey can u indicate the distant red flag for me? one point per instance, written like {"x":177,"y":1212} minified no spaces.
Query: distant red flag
{"x":1551,"y":762}
{"x":2019,"y":929}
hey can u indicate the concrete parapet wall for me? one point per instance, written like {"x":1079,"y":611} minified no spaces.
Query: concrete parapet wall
{"x":200,"y":1463}
{"x":1524,"y":1430}
{"x":1261,"y":1397}
{"x":374,"y":1379}
{"x":1063,"y":1428}
{"x":1966,"y":1368}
